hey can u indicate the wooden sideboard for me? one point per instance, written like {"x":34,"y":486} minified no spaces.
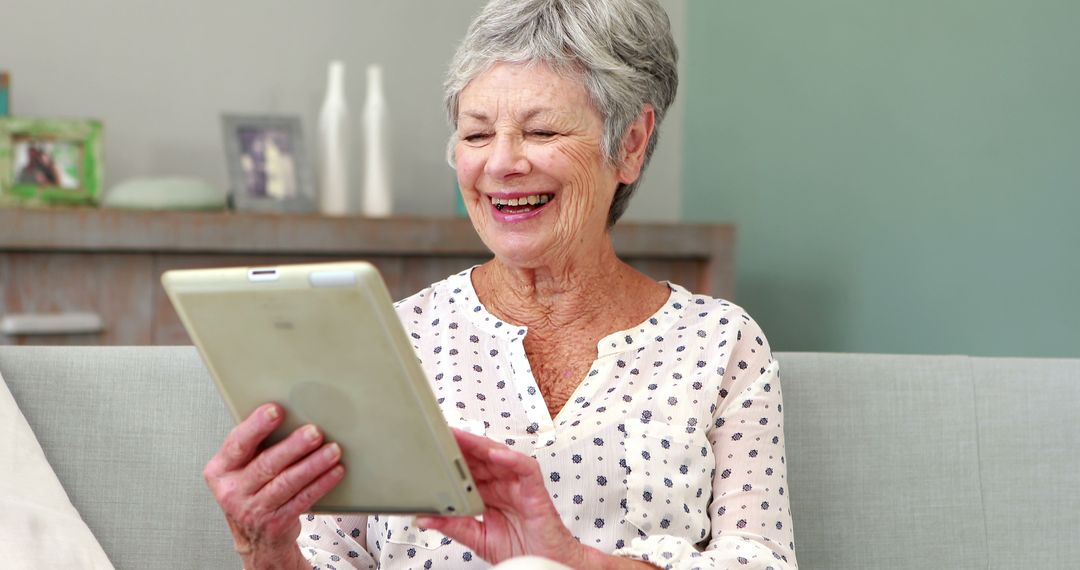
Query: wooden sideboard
{"x":109,"y":262}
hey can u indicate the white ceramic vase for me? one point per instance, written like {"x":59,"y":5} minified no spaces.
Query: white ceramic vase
{"x":333,"y":146}
{"x":378,"y":198}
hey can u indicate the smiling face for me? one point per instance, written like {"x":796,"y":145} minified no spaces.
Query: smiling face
{"x":530,"y":167}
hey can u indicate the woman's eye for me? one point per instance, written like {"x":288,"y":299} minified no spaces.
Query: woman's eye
{"x":476,"y":137}
{"x":541,"y":134}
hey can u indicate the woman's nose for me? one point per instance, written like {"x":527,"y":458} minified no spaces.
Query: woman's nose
{"x":507,"y":157}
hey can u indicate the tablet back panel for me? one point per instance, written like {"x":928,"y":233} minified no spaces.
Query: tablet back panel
{"x":324,"y":341}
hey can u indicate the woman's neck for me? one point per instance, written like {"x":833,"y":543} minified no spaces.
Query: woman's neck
{"x":601,"y":291}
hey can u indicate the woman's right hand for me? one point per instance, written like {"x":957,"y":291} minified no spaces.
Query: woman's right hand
{"x":263,"y":492}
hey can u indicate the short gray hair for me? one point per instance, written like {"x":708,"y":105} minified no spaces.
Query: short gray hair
{"x":621,"y":49}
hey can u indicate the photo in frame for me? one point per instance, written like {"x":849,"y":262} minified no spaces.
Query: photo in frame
{"x":5,"y":94}
{"x":268,"y":164}
{"x":50,"y":161}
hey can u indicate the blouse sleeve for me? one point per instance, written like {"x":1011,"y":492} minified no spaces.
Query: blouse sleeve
{"x":749,"y":511}
{"x":335,"y":543}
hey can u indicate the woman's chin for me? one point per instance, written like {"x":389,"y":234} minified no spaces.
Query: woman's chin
{"x":515,"y":244}
{"x":519,"y":250}
{"x":522,"y":257}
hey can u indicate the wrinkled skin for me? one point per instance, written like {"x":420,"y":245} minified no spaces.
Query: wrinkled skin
{"x":519,"y":517}
{"x":263,"y":492}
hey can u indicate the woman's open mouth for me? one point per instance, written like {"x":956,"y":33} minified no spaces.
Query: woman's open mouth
{"x":521,"y":204}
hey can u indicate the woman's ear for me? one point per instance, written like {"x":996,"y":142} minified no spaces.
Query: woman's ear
{"x":634,"y":144}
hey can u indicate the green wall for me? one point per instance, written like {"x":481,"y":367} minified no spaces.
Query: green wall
{"x":904,"y":176}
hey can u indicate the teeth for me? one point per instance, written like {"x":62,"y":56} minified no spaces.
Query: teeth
{"x":531,"y":200}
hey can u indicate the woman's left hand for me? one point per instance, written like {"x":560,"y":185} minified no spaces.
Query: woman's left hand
{"x":519,"y":516}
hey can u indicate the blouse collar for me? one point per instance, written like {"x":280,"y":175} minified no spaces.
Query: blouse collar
{"x":634,"y":338}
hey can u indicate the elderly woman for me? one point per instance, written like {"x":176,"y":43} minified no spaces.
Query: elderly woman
{"x":615,"y":421}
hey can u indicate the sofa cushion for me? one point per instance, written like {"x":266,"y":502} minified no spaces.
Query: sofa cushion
{"x":1029,"y":439}
{"x":40,"y":527}
{"x":125,"y":429}
{"x":882,"y":460}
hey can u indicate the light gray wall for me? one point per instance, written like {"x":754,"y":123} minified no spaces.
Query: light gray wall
{"x":159,"y":75}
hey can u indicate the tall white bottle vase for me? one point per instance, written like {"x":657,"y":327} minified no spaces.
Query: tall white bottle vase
{"x":378,"y":198}
{"x":333,"y":146}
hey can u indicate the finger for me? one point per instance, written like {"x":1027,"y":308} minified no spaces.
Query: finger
{"x":488,"y":462}
{"x":475,"y":444}
{"x":306,"y":498}
{"x":275,"y":459}
{"x":492,"y":453}
{"x":243,"y":441}
{"x":466,"y":530}
{"x":516,"y":463}
{"x":514,"y":482}
{"x":293,"y":480}
{"x":531,"y":495}
{"x":477,"y":452}
{"x":510,"y":495}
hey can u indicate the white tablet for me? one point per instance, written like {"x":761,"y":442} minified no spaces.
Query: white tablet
{"x":323,"y":341}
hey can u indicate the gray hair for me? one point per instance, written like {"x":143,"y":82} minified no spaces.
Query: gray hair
{"x":621,"y":49}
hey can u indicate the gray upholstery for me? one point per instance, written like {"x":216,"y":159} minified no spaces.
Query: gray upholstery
{"x":894,"y":461}
{"x":127,"y":431}
{"x":883,"y":461}
{"x":933,"y":461}
{"x":1029,"y":439}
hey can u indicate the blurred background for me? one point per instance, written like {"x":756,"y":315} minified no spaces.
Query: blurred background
{"x":903,"y":177}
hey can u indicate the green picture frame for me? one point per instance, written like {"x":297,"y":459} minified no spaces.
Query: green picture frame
{"x":5,"y":94}
{"x":50,"y":161}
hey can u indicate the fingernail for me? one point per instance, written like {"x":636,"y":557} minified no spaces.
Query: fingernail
{"x":311,"y":433}
{"x":333,"y":451}
{"x":272,"y":413}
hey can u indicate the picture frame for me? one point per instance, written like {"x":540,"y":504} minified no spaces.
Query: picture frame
{"x":268,"y":164}
{"x":5,"y":94}
{"x":50,"y":161}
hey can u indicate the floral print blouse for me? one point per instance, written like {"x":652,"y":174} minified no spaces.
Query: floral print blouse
{"x":671,"y":450}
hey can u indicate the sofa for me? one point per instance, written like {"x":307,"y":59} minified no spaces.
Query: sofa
{"x":894,"y":461}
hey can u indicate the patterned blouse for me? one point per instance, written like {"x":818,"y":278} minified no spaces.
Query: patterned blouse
{"x":671,"y":450}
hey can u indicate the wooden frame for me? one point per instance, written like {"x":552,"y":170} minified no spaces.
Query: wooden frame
{"x":50,"y":161}
{"x":268,"y":164}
